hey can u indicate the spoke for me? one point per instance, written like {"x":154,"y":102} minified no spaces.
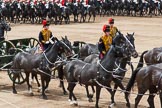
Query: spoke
{"x":22,"y":76}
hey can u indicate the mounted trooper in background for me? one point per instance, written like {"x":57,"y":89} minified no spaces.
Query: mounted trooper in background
{"x":3,"y":27}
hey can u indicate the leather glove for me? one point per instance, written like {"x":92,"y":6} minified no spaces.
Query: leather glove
{"x":47,"y":42}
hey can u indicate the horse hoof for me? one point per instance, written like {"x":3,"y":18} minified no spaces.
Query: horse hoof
{"x":90,"y":100}
{"x":31,"y":94}
{"x":90,"y":95}
{"x":128,"y":105}
{"x":73,"y":103}
{"x":65,"y":93}
{"x":14,"y":92}
{"x":44,"y":97}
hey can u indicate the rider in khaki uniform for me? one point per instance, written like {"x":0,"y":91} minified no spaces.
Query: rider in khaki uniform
{"x":105,"y":41}
{"x":113,"y":29}
{"x":45,"y":35}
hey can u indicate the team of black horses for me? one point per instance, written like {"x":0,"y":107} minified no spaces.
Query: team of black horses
{"x":27,"y":13}
{"x":100,"y":73}
{"x":87,"y":69}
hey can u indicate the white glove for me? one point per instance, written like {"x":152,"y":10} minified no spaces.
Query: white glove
{"x":47,"y":42}
{"x":51,"y":41}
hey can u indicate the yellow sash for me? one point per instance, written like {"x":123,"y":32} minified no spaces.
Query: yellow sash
{"x":107,"y":40}
{"x":46,"y":34}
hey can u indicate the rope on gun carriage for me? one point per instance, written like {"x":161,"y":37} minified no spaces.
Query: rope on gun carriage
{"x":122,"y":90}
{"x":98,"y":84}
{"x":109,"y":87}
{"x":111,"y":72}
{"x":115,"y":76}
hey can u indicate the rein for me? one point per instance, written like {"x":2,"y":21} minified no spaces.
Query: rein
{"x":118,"y":67}
{"x":128,"y":41}
{"x":41,"y":71}
{"x":66,"y":45}
{"x":60,"y":60}
{"x":98,"y":62}
{"x":48,"y":59}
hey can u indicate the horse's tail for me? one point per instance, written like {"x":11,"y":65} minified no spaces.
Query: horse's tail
{"x":139,"y":66}
{"x":140,"y":63}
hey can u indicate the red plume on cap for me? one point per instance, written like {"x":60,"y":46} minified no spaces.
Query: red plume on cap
{"x":44,"y":22}
{"x":111,"y":21}
{"x":106,"y":28}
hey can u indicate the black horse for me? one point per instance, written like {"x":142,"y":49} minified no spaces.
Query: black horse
{"x":147,"y":78}
{"x":38,"y":64}
{"x":120,"y":67}
{"x":89,"y":74}
{"x":87,"y":50}
{"x":91,"y":12}
{"x":4,"y":26}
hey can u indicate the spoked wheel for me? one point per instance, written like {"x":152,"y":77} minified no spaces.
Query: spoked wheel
{"x":18,"y":74}
{"x":33,"y":45}
{"x":33,"y":42}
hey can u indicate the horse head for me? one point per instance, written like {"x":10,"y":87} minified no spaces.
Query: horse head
{"x":67,"y":42}
{"x":63,"y":48}
{"x":124,"y":46}
{"x":131,"y":38}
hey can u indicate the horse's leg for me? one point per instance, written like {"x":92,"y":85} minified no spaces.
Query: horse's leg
{"x":151,"y":97}
{"x":94,"y":16}
{"x":89,"y":17}
{"x":13,"y":86}
{"x":60,"y":74}
{"x":43,"y":87}
{"x":98,"y":90}
{"x":48,"y":78}
{"x":93,"y":89}
{"x":112,"y":95}
{"x":141,"y":91}
{"x":114,"y":91}
{"x":118,"y":82}
{"x":88,"y":95}
{"x":29,"y":85}
{"x":71,"y":94}
{"x":36,"y":78}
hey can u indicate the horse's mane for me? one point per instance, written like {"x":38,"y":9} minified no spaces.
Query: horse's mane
{"x":49,"y":47}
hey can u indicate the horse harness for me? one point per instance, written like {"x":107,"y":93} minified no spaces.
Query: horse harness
{"x":79,"y":76}
{"x":46,"y":64}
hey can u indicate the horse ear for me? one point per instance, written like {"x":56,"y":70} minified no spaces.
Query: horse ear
{"x":65,"y":37}
{"x":133,"y":34}
{"x":62,"y":38}
{"x":119,"y":32}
